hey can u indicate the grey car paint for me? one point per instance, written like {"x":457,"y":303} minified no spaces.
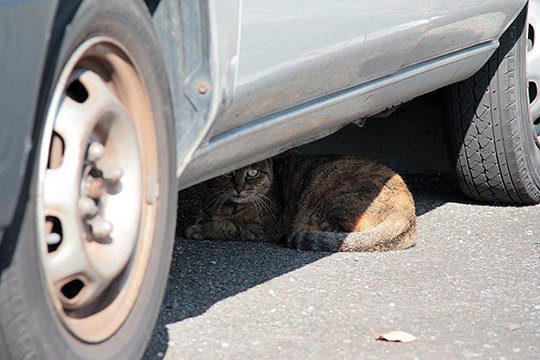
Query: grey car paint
{"x":307,"y":122}
{"x":459,"y":24}
{"x":280,"y":103}
{"x":346,"y":43}
{"x":24,"y":31}
{"x":283,"y":43}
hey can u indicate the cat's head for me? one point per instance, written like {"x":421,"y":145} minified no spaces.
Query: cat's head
{"x":243,"y":185}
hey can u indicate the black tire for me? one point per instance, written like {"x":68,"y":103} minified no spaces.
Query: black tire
{"x":30,"y":325}
{"x":492,"y":140}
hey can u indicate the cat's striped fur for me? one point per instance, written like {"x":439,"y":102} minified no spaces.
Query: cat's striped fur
{"x":313,"y":203}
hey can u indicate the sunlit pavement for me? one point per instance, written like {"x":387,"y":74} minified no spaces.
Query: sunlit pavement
{"x":469,"y":289}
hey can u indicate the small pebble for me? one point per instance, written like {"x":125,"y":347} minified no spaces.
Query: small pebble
{"x":513,"y":327}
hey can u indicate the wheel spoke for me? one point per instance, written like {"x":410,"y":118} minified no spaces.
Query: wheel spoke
{"x":101,"y":101}
{"x":60,"y":192}
{"x":67,"y":262}
{"x":70,"y":260}
{"x":70,"y":263}
{"x":76,"y":120}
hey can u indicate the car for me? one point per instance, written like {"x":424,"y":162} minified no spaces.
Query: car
{"x":108,"y":108}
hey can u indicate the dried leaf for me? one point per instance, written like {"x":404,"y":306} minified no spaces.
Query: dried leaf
{"x":513,"y":326}
{"x":395,"y":336}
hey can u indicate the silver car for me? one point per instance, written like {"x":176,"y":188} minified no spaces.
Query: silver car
{"x":109,"y":107}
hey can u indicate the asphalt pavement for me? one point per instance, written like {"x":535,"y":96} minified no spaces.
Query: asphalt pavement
{"x":470,"y":289}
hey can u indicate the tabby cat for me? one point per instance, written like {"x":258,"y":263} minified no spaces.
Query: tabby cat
{"x":341,"y":203}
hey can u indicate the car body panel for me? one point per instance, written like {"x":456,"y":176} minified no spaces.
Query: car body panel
{"x":283,"y":43}
{"x":304,"y":123}
{"x":24,"y":32}
{"x":285,"y":81}
{"x":462,"y":23}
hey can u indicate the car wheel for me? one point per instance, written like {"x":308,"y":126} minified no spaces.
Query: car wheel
{"x":494,"y":120}
{"x":90,"y":252}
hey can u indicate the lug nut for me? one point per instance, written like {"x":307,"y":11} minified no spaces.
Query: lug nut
{"x":53,"y":238}
{"x":112,"y":172}
{"x":95,"y":187}
{"x":95,"y":151}
{"x":101,"y":228}
{"x":88,"y":207}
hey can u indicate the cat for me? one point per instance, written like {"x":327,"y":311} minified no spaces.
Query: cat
{"x":326,"y":203}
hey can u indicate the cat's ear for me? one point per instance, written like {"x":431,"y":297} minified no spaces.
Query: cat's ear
{"x":268,"y":162}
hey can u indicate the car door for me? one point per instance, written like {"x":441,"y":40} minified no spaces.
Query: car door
{"x":459,"y":24}
{"x":294,"y":52}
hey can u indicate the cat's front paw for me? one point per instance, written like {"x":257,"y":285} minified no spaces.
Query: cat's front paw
{"x":195,"y":232}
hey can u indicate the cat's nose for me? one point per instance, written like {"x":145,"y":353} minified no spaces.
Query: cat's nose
{"x":238,"y":189}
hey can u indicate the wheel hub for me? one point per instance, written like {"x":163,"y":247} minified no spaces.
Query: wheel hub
{"x":96,"y":221}
{"x":94,"y":185}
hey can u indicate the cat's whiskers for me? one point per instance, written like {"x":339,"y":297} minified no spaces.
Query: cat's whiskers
{"x":270,"y":211}
{"x":226,"y":196}
{"x":220,"y":201}
{"x":216,"y":198}
{"x":253,"y":199}
{"x":259,"y":202}
{"x":266,"y":199}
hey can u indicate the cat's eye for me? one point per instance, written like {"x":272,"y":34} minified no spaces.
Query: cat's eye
{"x":253,"y":172}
